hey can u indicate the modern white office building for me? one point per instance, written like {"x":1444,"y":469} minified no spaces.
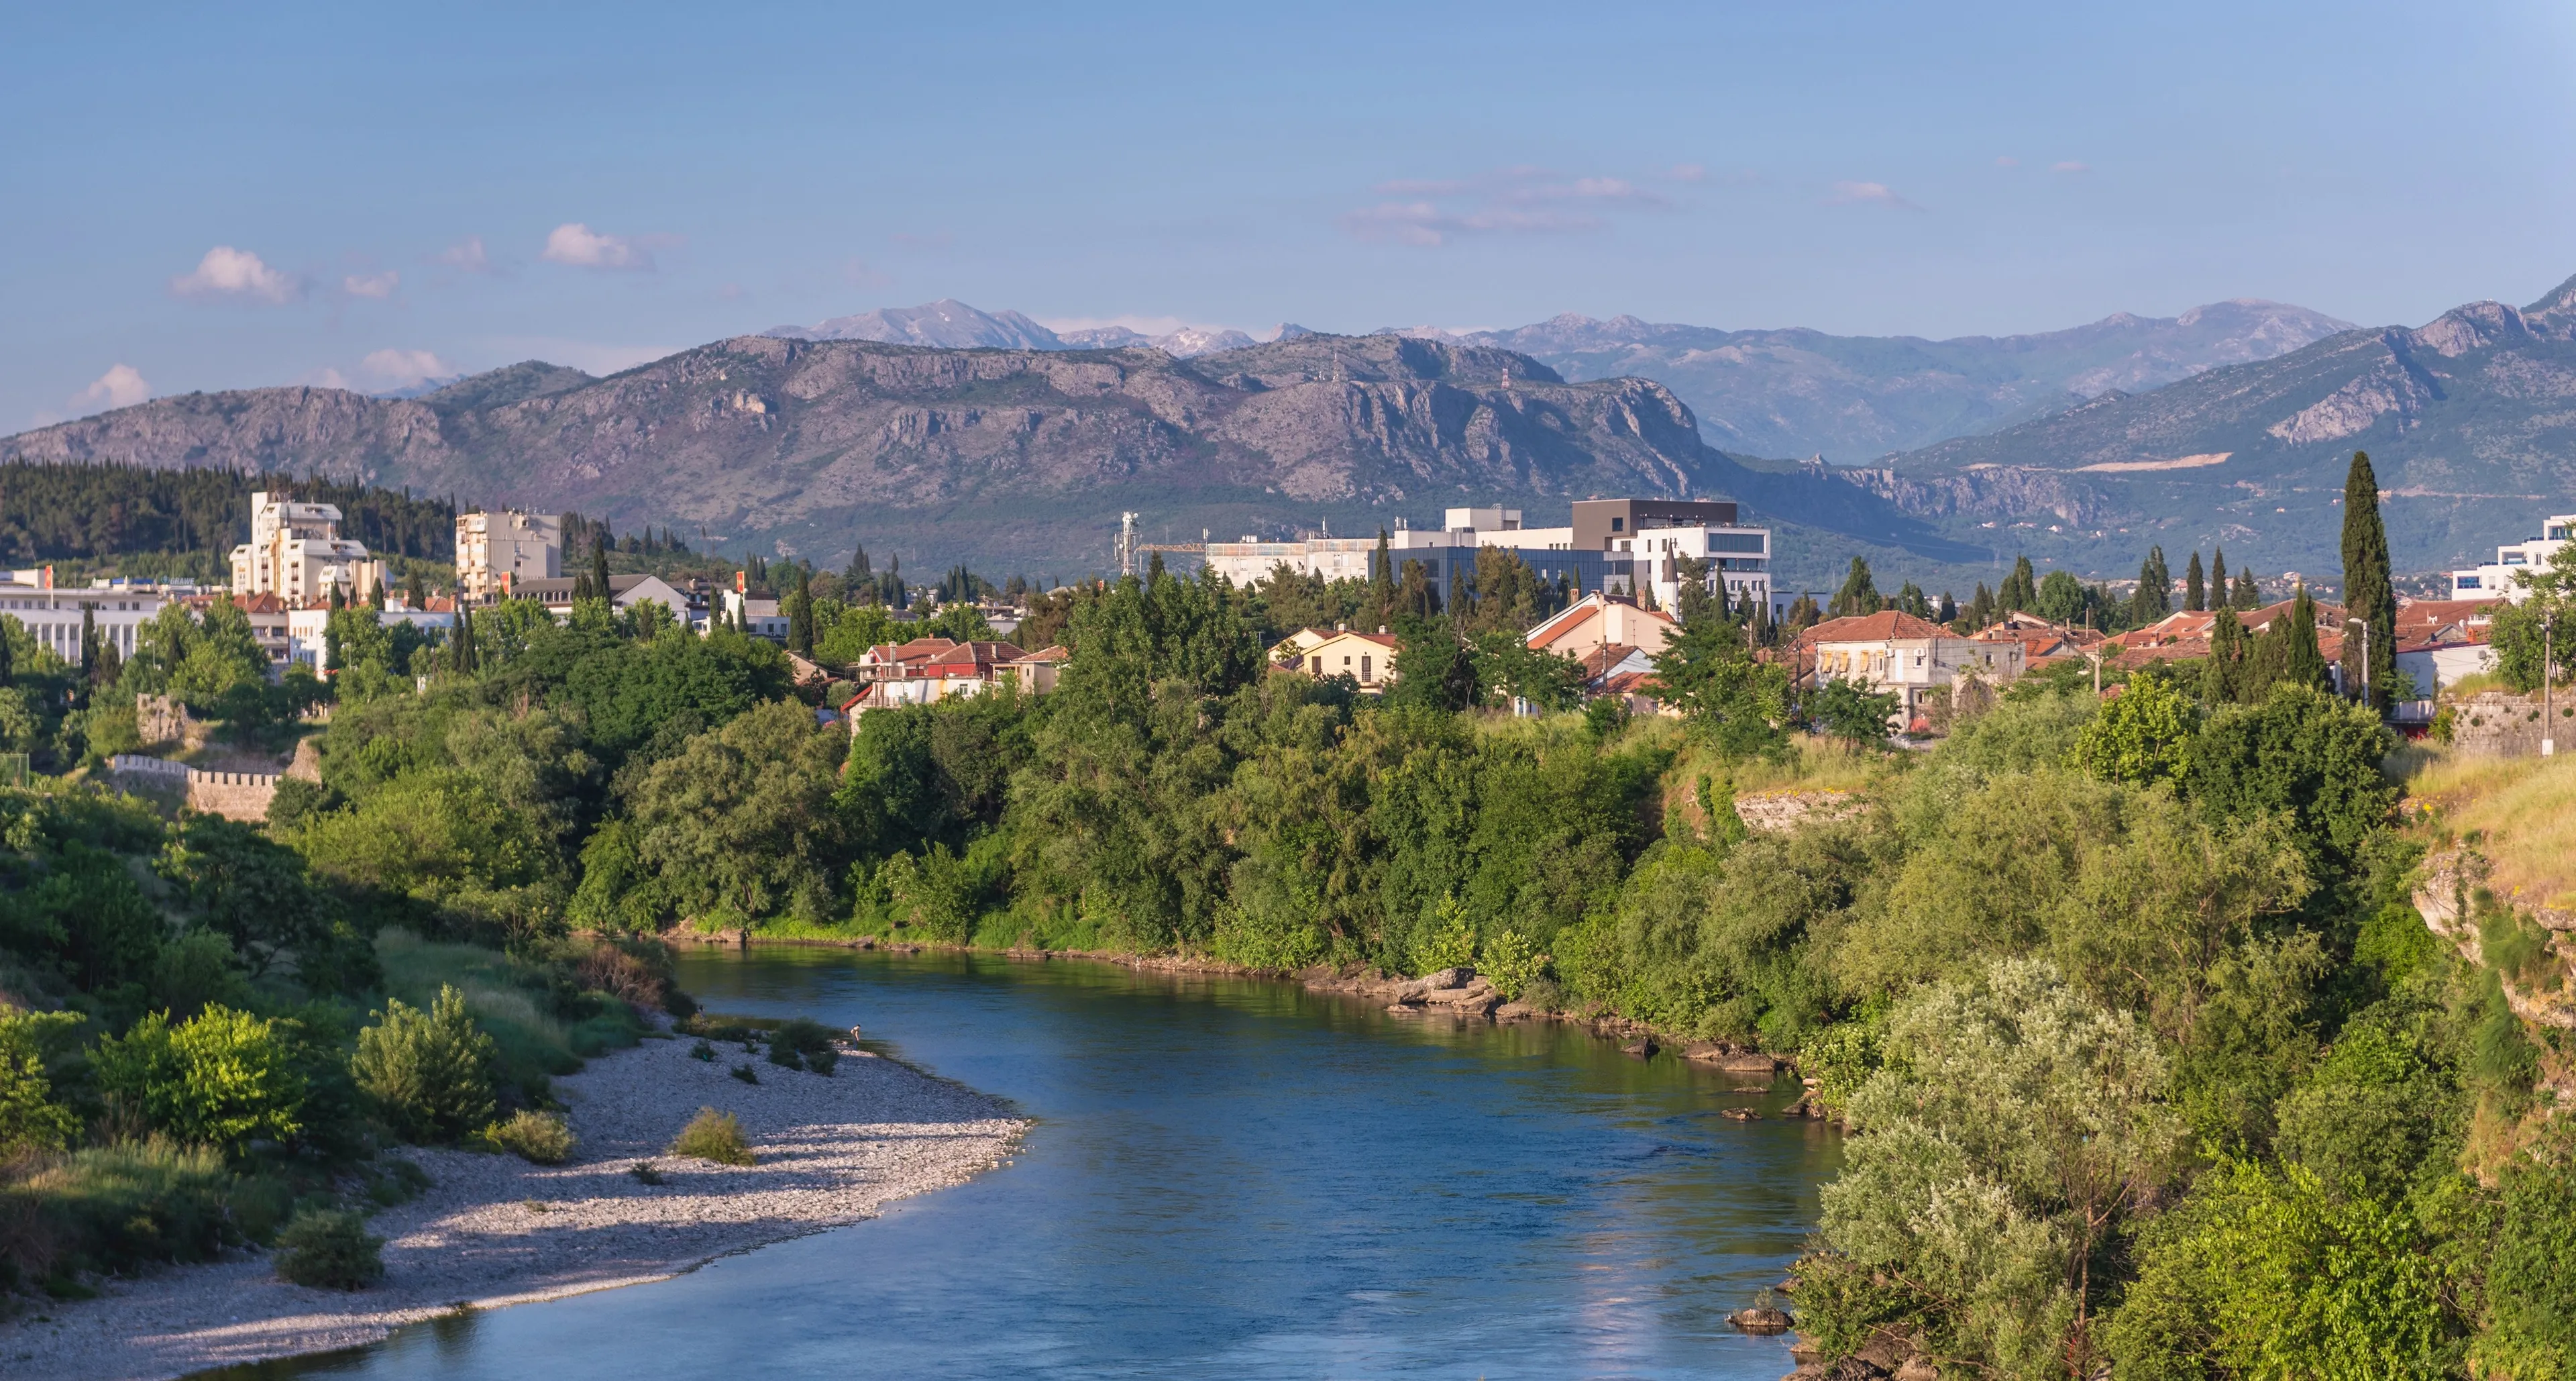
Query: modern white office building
{"x":1615,"y":545}
{"x":116,"y":608}
{"x":2496,"y":579}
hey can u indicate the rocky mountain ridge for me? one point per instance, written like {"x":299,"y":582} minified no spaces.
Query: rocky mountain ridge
{"x":1011,"y":459}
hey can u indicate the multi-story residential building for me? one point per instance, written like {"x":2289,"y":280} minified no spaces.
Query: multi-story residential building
{"x":1628,"y":546}
{"x":494,"y":551}
{"x":2497,"y":579}
{"x":1596,"y":622}
{"x":296,"y":552}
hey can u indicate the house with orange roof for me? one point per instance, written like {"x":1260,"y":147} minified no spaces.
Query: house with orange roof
{"x":1894,"y":652}
{"x":926,"y":671}
{"x":1599,"y":621}
{"x":2442,"y":641}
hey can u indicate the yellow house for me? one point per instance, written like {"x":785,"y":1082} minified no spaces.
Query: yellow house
{"x":1367,"y":658}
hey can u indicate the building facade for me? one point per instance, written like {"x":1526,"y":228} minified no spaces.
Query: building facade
{"x":496,"y":550}
{"x":116,"y":609}
{"x":296,"y":552}
{"x":1626,"y":546}
{"x":1892,"y":652}
{"x":2498,"y":579}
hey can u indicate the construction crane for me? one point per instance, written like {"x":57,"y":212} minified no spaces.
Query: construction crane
{"x":1124,"y":549}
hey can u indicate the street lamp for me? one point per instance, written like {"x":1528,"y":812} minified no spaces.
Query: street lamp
{"x":2548,"y":707}
{"x":2365,"y":656}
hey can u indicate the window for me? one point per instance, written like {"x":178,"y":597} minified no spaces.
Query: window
{"x":2466,"y":582}
{"x":1618,"y":525}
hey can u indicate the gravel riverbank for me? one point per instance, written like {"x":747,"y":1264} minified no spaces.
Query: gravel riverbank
{"x":494,"y":1230}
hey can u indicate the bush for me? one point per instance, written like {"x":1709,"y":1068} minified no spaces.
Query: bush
{"x":813,"y":1044}
{"x":222,"y":1079}
{"x":427,"y":1072}
{"x":540,"y":1138}
{"x":329,"y":1249}
{"x":1510,"y":962}
{"x":30,"y":1119}
{"x":114,"y":1207}
{"x":715,"y":1136}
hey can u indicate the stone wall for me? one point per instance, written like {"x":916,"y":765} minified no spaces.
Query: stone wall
{"x":2504,"y":725}
{"x":232,"y":795}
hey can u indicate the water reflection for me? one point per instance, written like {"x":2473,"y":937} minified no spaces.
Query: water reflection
{"x":1228,"y":1178}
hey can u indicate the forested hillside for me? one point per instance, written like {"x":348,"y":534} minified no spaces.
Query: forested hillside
{"x":97,"y":512}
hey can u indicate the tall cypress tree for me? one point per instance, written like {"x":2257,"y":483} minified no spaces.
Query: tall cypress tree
{"x":2222,"y":678}
{"x":2248,"y":597}
{"x":2218,"y":591}
{"x":800,"y":617}
{"x":2195,"y":591}
{"x":2368,"y":593}
{"x":2021,"y":588}
{"x":2302,"y":664}
{"x":599,"y":571}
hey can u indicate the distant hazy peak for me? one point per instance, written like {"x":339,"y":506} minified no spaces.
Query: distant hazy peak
{"x":947,"y":324}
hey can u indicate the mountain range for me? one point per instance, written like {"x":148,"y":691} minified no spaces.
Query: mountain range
{"x":1021,"y":457}
{"x":1015,"y":460}
{"x":949,"y":324}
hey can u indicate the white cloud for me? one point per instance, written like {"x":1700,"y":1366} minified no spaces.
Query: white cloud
{"x":122,"y":386}
{"x":375,"y":285}
{"x":582,"y":247}
{"x":327,"y":377}
{"x":230,"y":272}
{"x":1516,"y":200}
{"x":1870,"y":194}
{"x":403,"y":368}
{"x":466,"y":254}
{"x":2069,"y":166}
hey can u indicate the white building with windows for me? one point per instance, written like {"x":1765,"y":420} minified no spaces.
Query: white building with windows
{"x":1608,"y":545}
{"x":51,"y":616}
{"x":2496,"y":579}
{"x":496,"y":551}
{"x":296,"y":553}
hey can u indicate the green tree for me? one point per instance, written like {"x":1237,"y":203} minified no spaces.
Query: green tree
{"x":2021,"y":588}
{"x":2304,"y":755}
{"x":1849,"y":711}
{"x":2368,"y":594}
{"x":2222,"y":676}
{"x":2142,"y":736}
{"x":246,"y":888}
{"x":800,"y":616}
{"x":2154,"y":598}
{"x":428,"y":1073}
{"x":1859,"y":593}
{"x":1708,"y":671}
{"x":2195,"y":586}
{"x":2014,"y":1131}
{"x":222,"y":1079}
{"x":2062,"y":599}
{"x":738,"y":827}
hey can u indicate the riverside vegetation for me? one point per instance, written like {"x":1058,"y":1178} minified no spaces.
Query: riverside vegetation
{"x":2151,"y":1062}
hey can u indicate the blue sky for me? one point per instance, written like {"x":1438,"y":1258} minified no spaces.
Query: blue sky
{"x":203,"y":199}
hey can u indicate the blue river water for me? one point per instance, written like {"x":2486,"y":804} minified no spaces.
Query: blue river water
{"x":1227,"y":1178}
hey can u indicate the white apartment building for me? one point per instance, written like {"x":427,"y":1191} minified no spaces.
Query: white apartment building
{"x":296,"y":552}
{"x":2495,"y":580}
{"x":498,"y":550}
{"x":1609,"y":545}
{"x":117,"y":609}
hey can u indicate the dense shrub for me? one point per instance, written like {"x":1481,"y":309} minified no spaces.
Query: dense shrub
{"x":428,"y":1073}
{"x":329,"y":1249}
{"x":111,"y":1208}
{"x":223,"y":1078}
{"x":540,"y":1138}
{"x":715,"y":1136}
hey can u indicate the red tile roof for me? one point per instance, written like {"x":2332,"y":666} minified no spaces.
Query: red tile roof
{"x":1599,"y":660}
{"x":1883,"y":626}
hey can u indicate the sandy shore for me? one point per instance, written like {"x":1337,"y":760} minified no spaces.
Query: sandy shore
{"x":494,"y":1230}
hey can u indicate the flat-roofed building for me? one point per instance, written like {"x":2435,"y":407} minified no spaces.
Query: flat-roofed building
{"x":518,"y":546}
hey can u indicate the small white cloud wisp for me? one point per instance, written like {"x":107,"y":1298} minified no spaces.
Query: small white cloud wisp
{"x":122,"y":386}
{"x":373,"y":285}
{"x":466,"y":254}
{"x":403,"y":368}
{"x":580,"y":246}
{"x":1870,"y":194}
{"x":1428,"y":212}
{"x":2070,"y":166}
{"x":227,"y":272}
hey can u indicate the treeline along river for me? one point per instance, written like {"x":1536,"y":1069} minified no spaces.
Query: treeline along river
{"x":1228,"y":1178}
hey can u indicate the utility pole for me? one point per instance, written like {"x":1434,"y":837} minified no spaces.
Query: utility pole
{"x":2365,"y":658}
{"x":2548,"y":705}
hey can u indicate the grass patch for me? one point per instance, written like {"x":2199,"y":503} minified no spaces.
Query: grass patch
{"x":540,"y":1016}
{"x":715,"y":1136}
{"x":2523,"y":808}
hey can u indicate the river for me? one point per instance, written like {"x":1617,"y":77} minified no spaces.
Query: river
{"x":1227,"y":1178}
